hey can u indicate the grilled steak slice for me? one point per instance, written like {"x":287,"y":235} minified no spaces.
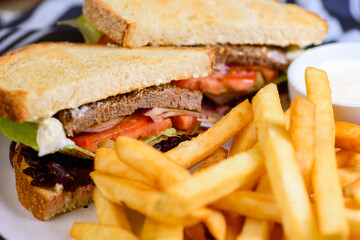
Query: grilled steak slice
{"x":77,"y":120}
{"x":273,"y":57}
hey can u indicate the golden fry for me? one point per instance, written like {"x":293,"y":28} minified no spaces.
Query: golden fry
{"x":158,"y":231}
{"x":107,"y":162}
{"x":302,"y":126}
{"x":244,"y":140}
{"x":353,"y":217}
{"x":345,"y":158}
{"x":250,"y":204}
{"x":329,"y":202}
{"x":97,"y":231}
{"x":256,"y":228}
{"x":196,"y":232}
{"x":234,"y":223}
{"x":348,"y":175}
{"x":219,"y":155}
{"x":214,"y":221}
{"x":150,"y":162}
{"x":347,"y":136}
{"x":190,"y":153}
{"x":110,"y":213}
{"x":353,"y":191}
{"x":202,"y":188}
{"x":135,"y":195}
{"x":286,"y":181}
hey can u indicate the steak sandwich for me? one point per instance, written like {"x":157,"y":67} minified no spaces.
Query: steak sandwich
{"x":254,"y":40}
{"x":61,"y":101}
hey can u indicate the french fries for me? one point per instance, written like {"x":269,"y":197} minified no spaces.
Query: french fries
{"x":256,"y":228}
{"x":107,"y":162}
{"x":302,"y":126}
{"x":347,"y":136}
{"x":348,"y":175}
{"x":214,"y":221}
{"x":96,"y":231}
{"x":110,"y":213}
{"x":190,"y":153}
{"x":282,"y":171}
{"x":139,"y":155}
{"x":213,"y":159}
{"x":158,"y":231}
{"x":286,"y":181}
{"x":249,"y":204}
{"x":329,"y":201}
{"x":196,"y":232}
{"x":202,"y":188}
{"x":234,"y":224}
{"x":150,"y":162}
{"x":245,"y":139}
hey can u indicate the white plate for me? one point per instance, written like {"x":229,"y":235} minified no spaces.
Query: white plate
{"x":18,"y":223}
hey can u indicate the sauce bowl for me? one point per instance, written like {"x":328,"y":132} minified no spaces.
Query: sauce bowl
{"x":340,"y":56}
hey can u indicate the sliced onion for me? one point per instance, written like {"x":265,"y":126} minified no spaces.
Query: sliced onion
{"x":221,"y":70}
{"x":105,"y":125}
{"x":157,"y":114}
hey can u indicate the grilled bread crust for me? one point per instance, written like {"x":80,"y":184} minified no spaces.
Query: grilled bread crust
{"x":135,"y":23}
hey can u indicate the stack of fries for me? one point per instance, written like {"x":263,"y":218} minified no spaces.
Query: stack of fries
{"x":293,"y":175}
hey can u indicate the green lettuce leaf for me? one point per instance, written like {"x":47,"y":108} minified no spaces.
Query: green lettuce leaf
{"x":170,"y":132}
{"x":25,"y":133}
{"x":280,"y":79}
{"x":89,"y":32}
{"x":75,"y":151}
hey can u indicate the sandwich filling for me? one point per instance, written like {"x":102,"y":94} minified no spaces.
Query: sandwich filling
{"x":152,"y":114}
{"x":240,"y":70}
{"x":161,"y":116}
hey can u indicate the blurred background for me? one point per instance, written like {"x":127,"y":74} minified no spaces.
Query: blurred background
{"x":26,"y":21}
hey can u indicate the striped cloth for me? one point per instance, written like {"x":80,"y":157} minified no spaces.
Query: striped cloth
{"x":39,"y":24}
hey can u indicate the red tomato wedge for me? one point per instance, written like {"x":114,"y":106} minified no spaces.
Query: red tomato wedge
{"x":184,"y":123}
{"x":134,"y":126}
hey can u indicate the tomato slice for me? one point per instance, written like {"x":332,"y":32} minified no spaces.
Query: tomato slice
{"x":104,"y":40}
{"x":268,"y":73}
{"x":134,"y":126}
{"x":239,"y":78}
{"x":239,"y":81}
{"x":184,"y":123}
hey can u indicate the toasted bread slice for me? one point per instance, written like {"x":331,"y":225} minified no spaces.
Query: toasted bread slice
{"x":45,"y":203}
{"x":204,"y":22}
{"x":39,"y":80}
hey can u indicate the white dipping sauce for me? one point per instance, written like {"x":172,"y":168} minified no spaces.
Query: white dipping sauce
{"x":344,"y":77}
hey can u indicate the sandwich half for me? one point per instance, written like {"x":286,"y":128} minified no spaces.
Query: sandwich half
{"x":254,"y":40}
{"x":62,"y":101}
